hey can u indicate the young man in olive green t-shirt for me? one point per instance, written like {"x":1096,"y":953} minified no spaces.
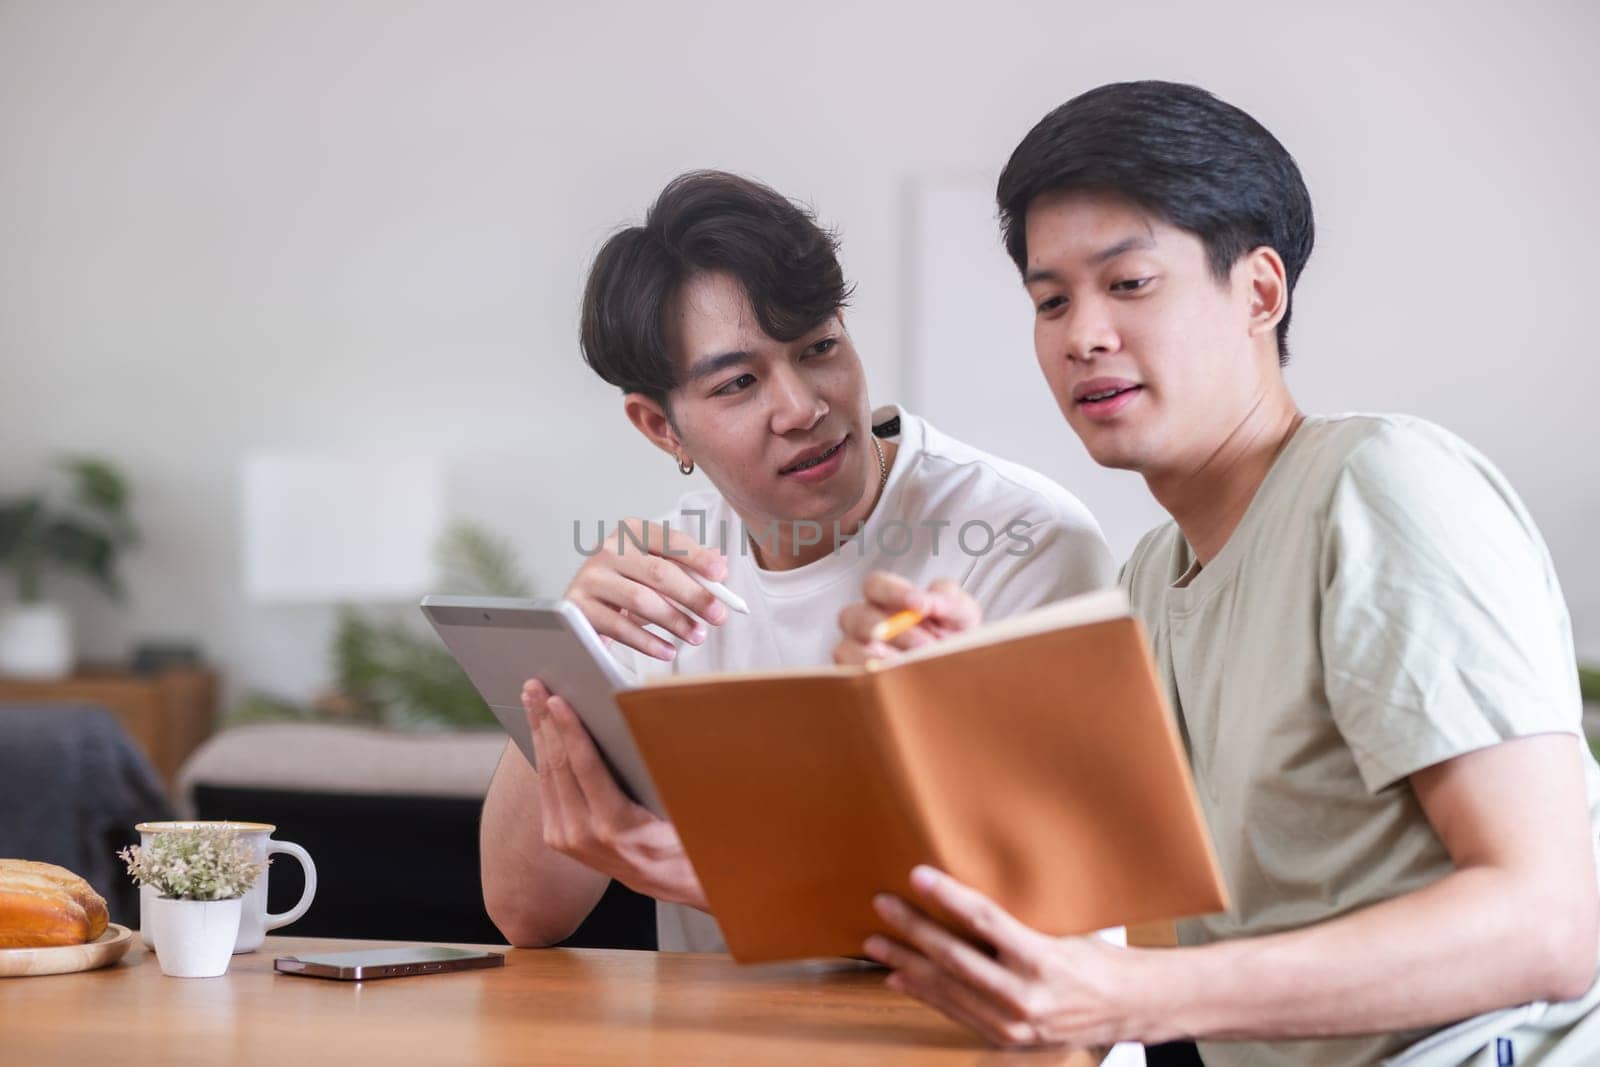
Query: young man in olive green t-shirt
{"x":1360,"y":628}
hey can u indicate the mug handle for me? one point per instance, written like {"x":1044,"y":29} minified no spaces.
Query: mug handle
{"x":284,"y":918}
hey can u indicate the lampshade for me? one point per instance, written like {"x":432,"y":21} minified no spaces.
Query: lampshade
{"x":330,"y":529}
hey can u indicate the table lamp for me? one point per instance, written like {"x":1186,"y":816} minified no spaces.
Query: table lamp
{"x":321,"y":529}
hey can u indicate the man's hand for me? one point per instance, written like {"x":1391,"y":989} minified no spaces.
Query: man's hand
{"x":1007,"y":981}
{"x":588,"y":817}
{"x":622,"y":587}
{"x":1513,"y":818}
{"x":946,"y":609}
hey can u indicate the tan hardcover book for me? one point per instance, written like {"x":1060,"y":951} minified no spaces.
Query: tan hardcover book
{"x":1034,"y":759}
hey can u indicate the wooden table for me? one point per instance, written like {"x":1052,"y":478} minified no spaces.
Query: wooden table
{"x":544,"y":1006}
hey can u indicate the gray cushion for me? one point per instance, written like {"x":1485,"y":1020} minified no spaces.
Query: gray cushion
{"x":330,"y":758}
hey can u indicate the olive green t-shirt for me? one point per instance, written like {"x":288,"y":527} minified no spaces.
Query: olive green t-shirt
{"x":1385,"y":604}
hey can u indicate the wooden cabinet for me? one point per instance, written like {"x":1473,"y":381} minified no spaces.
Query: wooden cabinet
{"x":166,"y":714}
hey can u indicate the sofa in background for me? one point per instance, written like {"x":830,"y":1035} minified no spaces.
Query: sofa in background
{"x":72,"y":787}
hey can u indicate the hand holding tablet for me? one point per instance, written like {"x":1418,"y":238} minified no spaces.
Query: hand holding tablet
{"x":502,"y":642}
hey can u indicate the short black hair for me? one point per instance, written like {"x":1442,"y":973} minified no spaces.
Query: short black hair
{"x":705,"y":221}
{"x":1179,"y":153}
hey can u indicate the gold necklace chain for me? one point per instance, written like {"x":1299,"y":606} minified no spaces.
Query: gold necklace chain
{"x":883,"y":465}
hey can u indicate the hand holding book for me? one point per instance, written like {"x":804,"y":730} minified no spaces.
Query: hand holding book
{"x":1012,"y":984}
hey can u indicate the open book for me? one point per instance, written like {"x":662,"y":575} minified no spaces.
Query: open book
{"x":1034,"y":758}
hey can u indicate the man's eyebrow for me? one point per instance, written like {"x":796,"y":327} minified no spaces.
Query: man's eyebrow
{"x":1127,"y":244}
{"x":705,"y":368}
{"x":1139,"y":242}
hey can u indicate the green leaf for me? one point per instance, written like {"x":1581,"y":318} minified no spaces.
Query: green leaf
{"x":1589,"y":682}
{"x":473,"y":562}
{"x":406,"y":677}
{"x":199,"y":863}
{"x":78,"y":547}
{"x":99,"y":485}
{"x":77,"y":530}
{"x":101,"y":490}
{"x":19,"y":526}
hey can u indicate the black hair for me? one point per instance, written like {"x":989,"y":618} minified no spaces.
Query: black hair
{"x":1179,"y":153}
{"x":705,"y":221}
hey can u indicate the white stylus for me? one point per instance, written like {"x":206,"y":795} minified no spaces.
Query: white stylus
{"x":721,"y":592}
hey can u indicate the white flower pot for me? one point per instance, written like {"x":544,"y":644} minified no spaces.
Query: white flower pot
{"x":194,"y":938}
{"x":35,"y":641}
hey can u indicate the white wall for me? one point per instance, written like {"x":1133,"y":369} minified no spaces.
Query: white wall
{"x":237,"y":225}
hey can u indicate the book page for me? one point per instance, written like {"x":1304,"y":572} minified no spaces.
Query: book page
{"x":824,"y":671}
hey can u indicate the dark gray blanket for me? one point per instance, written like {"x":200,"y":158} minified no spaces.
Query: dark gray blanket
{"x":72,"y":786}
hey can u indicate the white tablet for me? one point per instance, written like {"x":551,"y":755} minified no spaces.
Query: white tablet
{"x":502,"y":642}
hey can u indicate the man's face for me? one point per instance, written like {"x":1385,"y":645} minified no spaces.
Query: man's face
{"x":780,"y":427}
{"x":1150,"y":358}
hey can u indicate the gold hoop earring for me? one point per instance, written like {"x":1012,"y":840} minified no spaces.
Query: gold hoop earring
{"x":685,"y":466}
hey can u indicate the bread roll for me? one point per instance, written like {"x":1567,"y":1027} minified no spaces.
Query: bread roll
{"x":42,"y":905}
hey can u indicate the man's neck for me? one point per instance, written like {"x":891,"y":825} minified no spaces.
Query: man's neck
{"x":1209,"y":498}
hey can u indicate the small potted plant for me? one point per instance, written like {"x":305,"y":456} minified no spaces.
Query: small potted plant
{"x":200,"y":874}
{"x":77,"y":524}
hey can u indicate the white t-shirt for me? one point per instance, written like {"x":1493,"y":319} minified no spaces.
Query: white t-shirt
{"x":1011,"y":537}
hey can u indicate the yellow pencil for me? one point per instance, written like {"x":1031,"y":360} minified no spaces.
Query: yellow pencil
{"x":896,"y":624}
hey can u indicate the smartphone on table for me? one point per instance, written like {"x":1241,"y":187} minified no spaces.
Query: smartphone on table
{"x":363,"y":964}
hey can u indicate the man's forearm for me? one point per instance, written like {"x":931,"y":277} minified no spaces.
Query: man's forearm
{"x":1471,"y":942}
{"x":535,"y":896}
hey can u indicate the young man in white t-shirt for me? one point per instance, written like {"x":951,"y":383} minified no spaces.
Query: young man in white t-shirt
{"x":1361,"y":632}
{"x":721,"y":321}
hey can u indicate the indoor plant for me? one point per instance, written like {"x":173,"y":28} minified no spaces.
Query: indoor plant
{"x":76,"y":525}
{"x":200,"y":874}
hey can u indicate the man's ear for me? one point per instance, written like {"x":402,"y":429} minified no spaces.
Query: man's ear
{"x":1268,"y":289}
{"x":651,"y":419}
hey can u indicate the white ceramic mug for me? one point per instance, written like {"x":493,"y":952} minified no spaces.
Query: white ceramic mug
{"x":254,"y":920}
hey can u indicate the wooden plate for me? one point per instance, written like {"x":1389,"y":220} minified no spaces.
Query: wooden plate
{"x":64,"y":959}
